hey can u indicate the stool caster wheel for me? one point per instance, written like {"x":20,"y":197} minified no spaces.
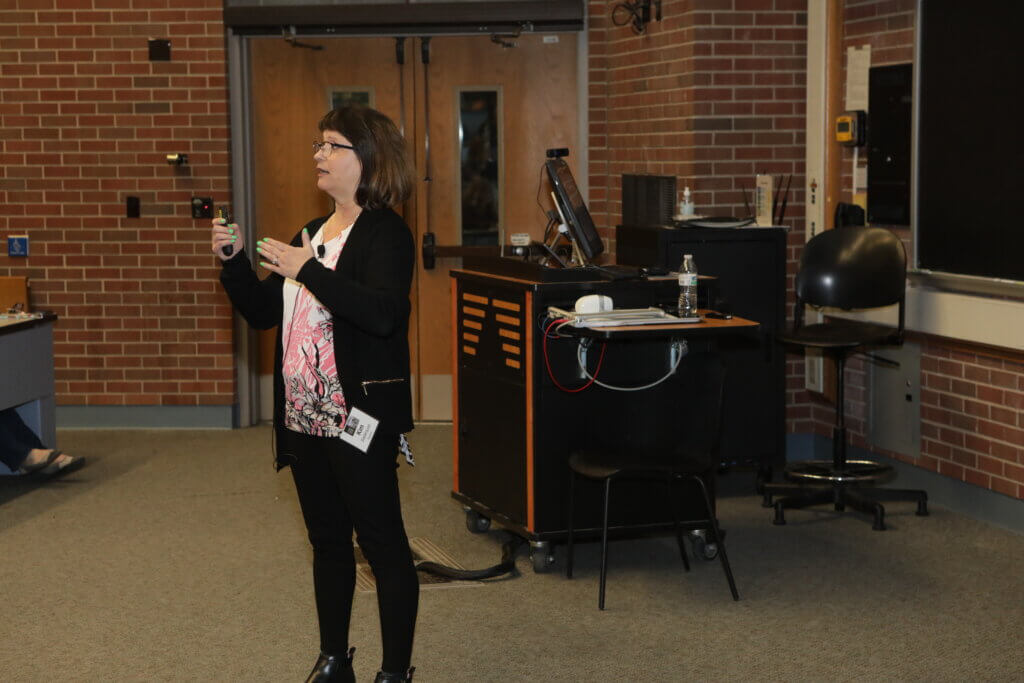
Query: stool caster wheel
{"x":879,"y":523}
{"x":780,"y":515}
{"x":702,"y":549}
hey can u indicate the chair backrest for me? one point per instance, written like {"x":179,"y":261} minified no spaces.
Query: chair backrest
{"x":699,"y":425}
{"x":852,"y":267}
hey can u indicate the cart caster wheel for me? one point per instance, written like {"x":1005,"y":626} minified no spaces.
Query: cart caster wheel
{"x":704,"y":550}
{"x":477,"y":523}
{"x":542,"y":557}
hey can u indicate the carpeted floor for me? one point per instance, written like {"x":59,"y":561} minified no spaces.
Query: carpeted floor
{"x":181,"y":556}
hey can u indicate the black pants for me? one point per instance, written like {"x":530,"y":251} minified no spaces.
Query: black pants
{"x":16,"y":439}
{"x":341,"y":489}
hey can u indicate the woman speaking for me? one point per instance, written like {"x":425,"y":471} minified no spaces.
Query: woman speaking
{"x":339,"y":296}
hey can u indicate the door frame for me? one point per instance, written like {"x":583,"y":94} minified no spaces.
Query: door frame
{"x":246,"y":350}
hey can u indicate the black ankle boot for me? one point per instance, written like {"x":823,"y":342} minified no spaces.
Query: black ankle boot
{"x":385,"y":677}
{"x":333,"y":669}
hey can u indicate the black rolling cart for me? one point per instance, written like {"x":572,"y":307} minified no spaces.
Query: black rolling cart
{"x":514,"y":429}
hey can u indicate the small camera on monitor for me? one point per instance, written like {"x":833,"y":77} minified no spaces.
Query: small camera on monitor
{"x":556,"y":152}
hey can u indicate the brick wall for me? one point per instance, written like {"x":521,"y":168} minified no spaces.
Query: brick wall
{"x":86,"y":120}
{"x":712,"y":94}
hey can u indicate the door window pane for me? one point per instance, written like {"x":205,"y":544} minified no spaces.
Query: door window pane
{"x":479,"y":157}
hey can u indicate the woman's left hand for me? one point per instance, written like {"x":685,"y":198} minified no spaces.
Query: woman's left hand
{"x":284,"y":259}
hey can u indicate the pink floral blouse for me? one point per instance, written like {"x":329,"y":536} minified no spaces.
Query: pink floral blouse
{"x":314,"y":402}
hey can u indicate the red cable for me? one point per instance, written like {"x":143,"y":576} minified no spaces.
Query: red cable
{"x":547,"y":362}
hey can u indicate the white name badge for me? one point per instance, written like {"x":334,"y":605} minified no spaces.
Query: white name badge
{"x":359,"y":429}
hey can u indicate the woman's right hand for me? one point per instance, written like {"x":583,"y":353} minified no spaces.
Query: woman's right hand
{"x":224,"y":234}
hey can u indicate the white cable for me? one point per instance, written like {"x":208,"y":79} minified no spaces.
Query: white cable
{"x":681,"y":349}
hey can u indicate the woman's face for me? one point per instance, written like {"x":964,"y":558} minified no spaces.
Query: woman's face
{"x":338,"y":168}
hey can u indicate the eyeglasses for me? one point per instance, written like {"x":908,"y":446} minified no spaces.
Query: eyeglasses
{"x":328,"y":147}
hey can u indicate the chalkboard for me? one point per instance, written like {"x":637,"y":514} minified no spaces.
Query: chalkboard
{"x":970,"y":154}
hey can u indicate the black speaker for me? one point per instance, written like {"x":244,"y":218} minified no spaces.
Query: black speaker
{"x":648,"y":199}
{"x":889,"y":120}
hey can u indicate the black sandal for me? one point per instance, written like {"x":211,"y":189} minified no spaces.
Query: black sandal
{"x":42,"y":464}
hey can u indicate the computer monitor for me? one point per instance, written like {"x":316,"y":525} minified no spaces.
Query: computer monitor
{"x":574,"y":209}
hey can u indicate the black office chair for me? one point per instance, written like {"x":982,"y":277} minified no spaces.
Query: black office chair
{"x":694,"y":458}
{"x":846,"y":268}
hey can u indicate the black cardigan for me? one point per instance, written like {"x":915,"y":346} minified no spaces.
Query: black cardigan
{"x":368,"y":297}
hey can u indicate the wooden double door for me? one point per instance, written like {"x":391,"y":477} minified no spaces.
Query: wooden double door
{"x":423,"y":89}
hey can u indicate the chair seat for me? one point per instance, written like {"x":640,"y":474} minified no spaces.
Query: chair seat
{"x":841,"y":334}
{"x":604,"y":465}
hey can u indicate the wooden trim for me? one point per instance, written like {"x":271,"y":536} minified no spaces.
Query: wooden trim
{"x":833,"y":152}
{"x":833,"y":107}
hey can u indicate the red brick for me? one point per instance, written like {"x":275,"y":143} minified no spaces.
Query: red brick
{"x":951,"y":470}
{"x":1014,"y":473}
{"x":1005,"y":487}
{"x":1004,"y":415}
{"x":977,"y":478}
{"x":1005,"y":380}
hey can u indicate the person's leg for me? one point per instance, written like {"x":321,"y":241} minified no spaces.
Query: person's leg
{"x":16,"y":439}
{"x":371,"y":490}
{"x":330,"y":534}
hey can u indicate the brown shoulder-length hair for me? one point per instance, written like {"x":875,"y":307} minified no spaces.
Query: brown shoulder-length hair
{"x":388,"y":173}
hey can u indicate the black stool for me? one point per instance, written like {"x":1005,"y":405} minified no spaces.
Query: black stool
{"x":846,"y":268}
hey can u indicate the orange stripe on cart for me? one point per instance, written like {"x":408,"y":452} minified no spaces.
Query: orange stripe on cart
{"x":531,"y":521}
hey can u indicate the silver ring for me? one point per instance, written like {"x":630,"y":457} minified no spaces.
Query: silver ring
{"x":275,"y":262}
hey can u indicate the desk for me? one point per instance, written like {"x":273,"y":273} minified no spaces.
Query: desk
{"x":26,"y":352}
{"x":513,"y":429}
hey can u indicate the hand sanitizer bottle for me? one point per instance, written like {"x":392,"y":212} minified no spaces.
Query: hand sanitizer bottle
{"x":686,"y":206}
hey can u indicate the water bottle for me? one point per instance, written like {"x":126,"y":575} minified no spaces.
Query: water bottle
{"x":688,"y":288}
